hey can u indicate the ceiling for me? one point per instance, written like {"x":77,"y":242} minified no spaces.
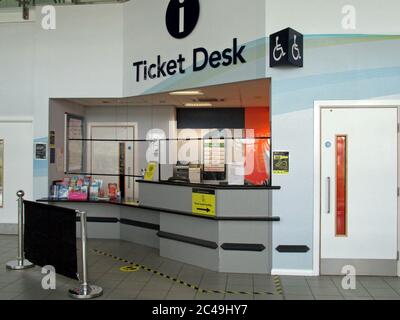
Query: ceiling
{"x":253,"y":93}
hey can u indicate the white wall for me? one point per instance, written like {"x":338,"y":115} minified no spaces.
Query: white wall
{"x":81,"y":58}
{"x":18,"y":171}
{"x":325,"y":17}
{"x":16,"y":75}
{"x":13,"y":15}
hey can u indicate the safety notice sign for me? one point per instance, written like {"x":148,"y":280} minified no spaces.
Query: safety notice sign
{"x":203,"y":201}
{"x":151,"y":169}
{"x":280,"y":162}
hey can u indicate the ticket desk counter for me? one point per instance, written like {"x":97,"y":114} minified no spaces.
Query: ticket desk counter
{"x":224,"y":228}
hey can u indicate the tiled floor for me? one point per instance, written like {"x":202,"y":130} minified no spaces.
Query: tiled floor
{"x":104,"y":271}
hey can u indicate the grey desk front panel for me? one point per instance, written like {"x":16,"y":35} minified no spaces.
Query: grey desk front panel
{"x":189,"y":226}
{"x":244,"y":262}
{"x":191,"y":254}
{"x":239,"y":203}
{"x":140,"y":214}
{"x":245,"y":232}
{"x":147,"y":237}
{"x":229,"y":202}
{"x":97,"y":230}
{"x":168,"y":197}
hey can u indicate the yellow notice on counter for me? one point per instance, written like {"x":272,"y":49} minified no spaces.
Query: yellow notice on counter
{"x":203,"y":201}
{"x":151,"y":169}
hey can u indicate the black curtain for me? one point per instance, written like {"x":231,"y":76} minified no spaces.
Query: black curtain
{"x":50,"y":237}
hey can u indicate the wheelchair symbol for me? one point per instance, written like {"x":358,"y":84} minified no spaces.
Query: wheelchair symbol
{"x":278,"y":48}
{"x":295,"y":48}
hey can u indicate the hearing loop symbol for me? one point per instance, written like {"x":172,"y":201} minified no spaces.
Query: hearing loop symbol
{"x":278,"y":48}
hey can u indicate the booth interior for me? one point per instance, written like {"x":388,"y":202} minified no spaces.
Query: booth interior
{"x":187,"y":172}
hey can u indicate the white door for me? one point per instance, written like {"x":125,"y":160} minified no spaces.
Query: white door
{"x":17,"y":168}
{"x":359,"y":190}
{"x":113,"y":158}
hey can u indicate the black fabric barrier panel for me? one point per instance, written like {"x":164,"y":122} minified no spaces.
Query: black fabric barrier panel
{"x":50,"y":237}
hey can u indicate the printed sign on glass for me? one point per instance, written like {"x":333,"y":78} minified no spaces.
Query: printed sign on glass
{"x":40,"y":151}
{"x":280,"y":162}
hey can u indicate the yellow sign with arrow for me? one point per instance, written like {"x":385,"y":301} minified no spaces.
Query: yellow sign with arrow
{"x":203,"y":201}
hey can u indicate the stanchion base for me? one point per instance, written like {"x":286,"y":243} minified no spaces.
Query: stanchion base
{"x":85,"y":292}
{"x":19,"y":264}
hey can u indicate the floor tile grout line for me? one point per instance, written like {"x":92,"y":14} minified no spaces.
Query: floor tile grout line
{"x":309,"y":287}
{"x":108,"y":272}
{"x":252,"y":282}
{"x":201,"y":279}
{"x":394,"y":289}
{"x":177,"y":276}
{"x":366,"y":289}
{"x":226,"y":286}
{"x":363,"y":286}
{"x":338,"y":288}
{"x":146,"y":282}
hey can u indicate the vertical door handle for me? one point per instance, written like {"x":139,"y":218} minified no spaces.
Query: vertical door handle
{"x":328,"y":188}
{"x":129,"y":178}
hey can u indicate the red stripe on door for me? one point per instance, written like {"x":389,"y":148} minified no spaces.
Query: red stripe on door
{"x":341,"y":185}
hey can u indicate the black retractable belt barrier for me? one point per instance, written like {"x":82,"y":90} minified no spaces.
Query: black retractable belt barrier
{"x":47,"y":237}
{"x":50,"y":237}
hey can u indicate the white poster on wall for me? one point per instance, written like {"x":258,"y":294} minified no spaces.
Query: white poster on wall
{"x":74,"y":143}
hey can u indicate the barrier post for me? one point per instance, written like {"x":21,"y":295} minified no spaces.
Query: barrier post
{"x":85,"y":290}
{"x":21,"y":263}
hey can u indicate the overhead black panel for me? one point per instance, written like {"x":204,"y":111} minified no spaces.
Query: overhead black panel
{"x":210,"y":118}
